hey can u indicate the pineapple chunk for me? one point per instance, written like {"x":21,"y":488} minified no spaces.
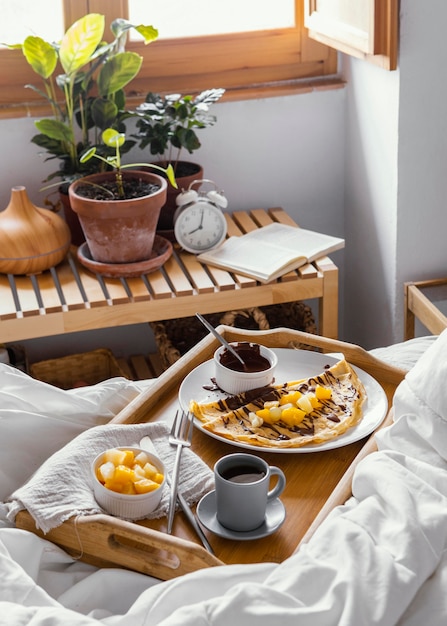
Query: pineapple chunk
{"x":150,"y":470}
{"x":106,"y":471}
{"x":305,"y":404}
{"x":119,"y":457}
{"x":142,"y":458}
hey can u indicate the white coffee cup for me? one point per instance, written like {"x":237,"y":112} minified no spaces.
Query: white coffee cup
{"x":242,"y":483}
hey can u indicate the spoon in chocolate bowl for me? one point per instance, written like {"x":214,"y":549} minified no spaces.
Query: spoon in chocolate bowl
{"x":220,"y":338}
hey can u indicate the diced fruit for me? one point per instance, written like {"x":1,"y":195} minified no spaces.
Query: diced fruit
{"x":323,"y":393}
{"x":122,"y":471}
{"x":305,"y":404}
{"x":292,"y":416}
{"x":255,"y":420}
{"x":264,"y":414}
{"x":316,"y":404}
{"x":141,"y":458}
{"x":106,"y":471}
{"x":115,"y":456}
{"x":292,"y":397}
{"x":123,"y":474}
{"x":145,"y":485}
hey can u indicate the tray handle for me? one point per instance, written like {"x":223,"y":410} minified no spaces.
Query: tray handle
{"x":126,"y":544}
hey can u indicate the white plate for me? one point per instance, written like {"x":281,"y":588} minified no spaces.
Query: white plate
{"x":292,"y":365}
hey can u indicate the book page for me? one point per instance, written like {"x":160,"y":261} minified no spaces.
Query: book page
{"x":271,"y":251}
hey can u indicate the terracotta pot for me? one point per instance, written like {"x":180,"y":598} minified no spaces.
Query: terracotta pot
{"x":32,"y":239}
{"x":119,"y":231}
{"x":166,"y":220}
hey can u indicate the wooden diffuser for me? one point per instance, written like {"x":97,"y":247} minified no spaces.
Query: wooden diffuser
{"x":31,"y":239}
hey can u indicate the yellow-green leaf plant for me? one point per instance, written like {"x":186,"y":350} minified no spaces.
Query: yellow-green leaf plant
{"x":88,"y":96}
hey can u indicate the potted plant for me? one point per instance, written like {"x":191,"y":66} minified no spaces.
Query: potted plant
{"x":86,"y":97}
{"x":167,"y":125}
{"x":118,"y":210}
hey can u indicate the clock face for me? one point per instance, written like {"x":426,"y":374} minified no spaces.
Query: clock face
{"x":200,"y":227}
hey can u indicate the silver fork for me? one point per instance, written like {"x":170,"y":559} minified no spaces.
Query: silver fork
{"x":180,"y":436}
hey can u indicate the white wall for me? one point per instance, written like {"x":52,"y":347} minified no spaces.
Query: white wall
{"x":395,"y":214}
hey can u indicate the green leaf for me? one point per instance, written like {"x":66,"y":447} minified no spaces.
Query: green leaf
{"x":87,"y":155}
{"x":40,"y":55}
{"x":104,"y":113}
{"x":118,"y":71}
{"x":149,"y":33}
{"x":80,"y":42}
{"x":113,"y":138}
{"x":54,"y":129}
{"x":120,"y":26}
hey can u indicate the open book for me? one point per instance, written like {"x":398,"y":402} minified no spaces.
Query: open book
{"x":271,"y":251}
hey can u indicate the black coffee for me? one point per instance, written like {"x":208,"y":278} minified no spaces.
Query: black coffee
{"x":243,"y":474}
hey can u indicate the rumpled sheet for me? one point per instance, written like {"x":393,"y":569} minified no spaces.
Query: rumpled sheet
{"x":379,"y":559}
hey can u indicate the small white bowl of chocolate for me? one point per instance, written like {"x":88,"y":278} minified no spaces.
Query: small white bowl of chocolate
{"x":256,"y":371}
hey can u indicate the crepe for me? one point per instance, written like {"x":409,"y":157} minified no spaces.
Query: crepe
{"x":336,"y":397}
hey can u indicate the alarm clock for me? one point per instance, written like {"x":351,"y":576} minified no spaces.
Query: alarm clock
{"x":199,"y":223}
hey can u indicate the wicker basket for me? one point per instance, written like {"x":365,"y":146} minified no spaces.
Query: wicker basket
{"x":77,"y":370}
{"x":175,"y":337}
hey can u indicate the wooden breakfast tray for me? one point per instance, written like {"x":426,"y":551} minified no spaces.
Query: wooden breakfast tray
{"x":316,"y":481}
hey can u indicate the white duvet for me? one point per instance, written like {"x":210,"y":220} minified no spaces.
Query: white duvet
{"x":379,"y":559}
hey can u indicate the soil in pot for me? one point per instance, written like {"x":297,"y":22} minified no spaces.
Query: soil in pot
{"x":134,"y":188}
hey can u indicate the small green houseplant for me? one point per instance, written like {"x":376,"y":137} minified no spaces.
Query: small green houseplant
{"x":167,"y":126}
{"x":119,"y":209}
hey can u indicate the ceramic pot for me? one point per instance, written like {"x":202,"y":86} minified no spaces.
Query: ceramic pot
{"x":119,"y":231}
{"x":32,"y":239}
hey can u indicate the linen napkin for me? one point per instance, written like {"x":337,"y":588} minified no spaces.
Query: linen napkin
{"x":62,"y":487}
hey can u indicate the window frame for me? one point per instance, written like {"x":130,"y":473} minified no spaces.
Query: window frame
{"x":247,"y":65}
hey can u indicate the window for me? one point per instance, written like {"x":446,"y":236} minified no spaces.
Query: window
{"x":367,"y":29}
{"x":271,"y":55}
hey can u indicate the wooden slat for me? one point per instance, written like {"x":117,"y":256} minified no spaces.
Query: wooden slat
{"x":158,"y":285}
{"x":180,"y":283}
{"x":26,"y":296}
{"x":222,"y":278}
{"x":279,"y":215}
{"x":244,"y":221}
{"x":114,"y":288}
{"x":48,"y":292}
{"x":8,"y":309}
{"x":89,"y":282}
{"x":197,"y":274}
{"x":233,"y":229}
{"x":138,"y":289}
{"x":70,"y":289}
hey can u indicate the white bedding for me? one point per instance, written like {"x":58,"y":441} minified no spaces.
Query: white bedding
{"x":379,"y":559}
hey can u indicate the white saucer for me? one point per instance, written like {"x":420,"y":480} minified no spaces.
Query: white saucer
{"x":206,"y":512}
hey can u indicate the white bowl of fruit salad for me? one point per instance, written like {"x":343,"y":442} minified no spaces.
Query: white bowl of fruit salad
{"x":128,"y":482}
